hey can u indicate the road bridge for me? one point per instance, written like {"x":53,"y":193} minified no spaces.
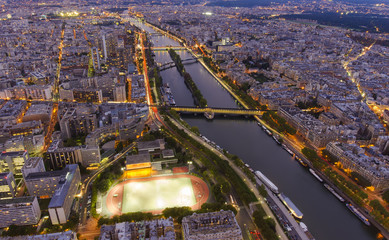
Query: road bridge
{"x":210,"y":112}
{"x":168,"y":65}
{"x":166,"y":48}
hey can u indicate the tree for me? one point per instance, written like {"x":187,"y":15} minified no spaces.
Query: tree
{"x":104,"y":185}
{"x":328,"y":156}
{"x":217,"y":193}
{"x":57,"y":127}
{"x":313,"y":157}
{"x":263,"y":107}
{"x":245,"y":86}
{"x":203,"y":102}
{"x":174,"y":114}
{"x":225,"y":187}
{"x":376,"y":205}
{"x":385,"y":196}
{"x":177,"y":213}
{"x":266,"y":226}
{"x":195,"y":130}
{"x":214,"y":207}
{"x":70,"y":142}
{"x":14,"y":230}
{"x":361,"y":180}
{"x":83,"y":169}
{"x":262,"y":190}
{"x":119,"y":147}
{"x":72,"y":221}
{"x":271,"y":223}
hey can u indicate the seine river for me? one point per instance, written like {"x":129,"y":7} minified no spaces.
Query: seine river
{"x":326,"y":217}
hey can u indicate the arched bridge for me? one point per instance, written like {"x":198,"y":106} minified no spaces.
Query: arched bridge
{"x":166,"y":48}
{"x":209,"y":112}
{"x":168,"y":65}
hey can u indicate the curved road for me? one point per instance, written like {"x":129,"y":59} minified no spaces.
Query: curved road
{"x":89,"y":180}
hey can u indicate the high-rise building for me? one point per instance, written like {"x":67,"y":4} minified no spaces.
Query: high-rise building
{"x":77,"y":121}
{"x":44,"y":184}
{"x":33,"y":165}
{"x":7,"y":185}
{"x":62,"y":156}
{"x":14,"y":144}
{"x":105,"y":48}
{"x":98,"y":58}
{"x":12,"y":111}
{"x":88,"y":95}
{"x":119,"y":93}
{"x":13,"y":162}
{"x":93,"y":59}
{"x":19,"y":211}
{"x":62,"y":200}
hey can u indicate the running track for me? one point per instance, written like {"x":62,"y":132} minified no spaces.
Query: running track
{"x":200,"y":190}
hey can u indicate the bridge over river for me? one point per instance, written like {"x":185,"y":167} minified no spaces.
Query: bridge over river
{"x":210,"y":112}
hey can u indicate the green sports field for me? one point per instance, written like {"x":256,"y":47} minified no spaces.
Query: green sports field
{"x":157,"y":194}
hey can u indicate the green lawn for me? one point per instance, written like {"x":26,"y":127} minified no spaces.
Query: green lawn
{"x":157,"y":194}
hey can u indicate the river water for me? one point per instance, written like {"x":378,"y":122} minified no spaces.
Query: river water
{"x":326,"y":217}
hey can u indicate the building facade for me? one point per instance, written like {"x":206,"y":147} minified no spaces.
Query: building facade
{"x":44,"y":184}
{"x":33,"y":165}
{"x":68,"y":235}
{"x":59,"y":157}
{"x":210,"y":226}
{"x":7,"y":185}
{"x":61,"y":202}
{"x":13,"y":162}
{"x":19,"y":211}
{"x":373,"y":168}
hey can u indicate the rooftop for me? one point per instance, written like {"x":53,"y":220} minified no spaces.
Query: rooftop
{"x":18,"y":200}
{"x":13,"y":154}
{"x":48,"y":174}
{"x":39,"y":108}
{"x":139,"y":158}
{"x":68,"y":235}
{"x":32,"y":162}
{"x":63,"y":187}
{"x":210,"y":223}
{"x":4,"y":175}
{"x":156,"y":144}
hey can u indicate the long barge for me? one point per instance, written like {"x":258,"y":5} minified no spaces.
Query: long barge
{"x":301,"y":161}
{"x":290,"y":205}
{"x":333,"y":192}
{"x":358,"y":214}
{"x":315,"y":175}
{"x":267,"y":182}
{"x":287,"y":149}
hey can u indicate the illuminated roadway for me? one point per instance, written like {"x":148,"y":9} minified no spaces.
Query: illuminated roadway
{"x":89,"y":180}
{"x":54,"y":112}
{"x":217,"y":110}
{"x":167,"y":48}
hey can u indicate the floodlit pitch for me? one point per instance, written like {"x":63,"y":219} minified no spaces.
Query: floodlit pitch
{"x":157,"y":194}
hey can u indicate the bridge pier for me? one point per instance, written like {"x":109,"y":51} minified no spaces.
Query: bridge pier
{"x":209,"y":115}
